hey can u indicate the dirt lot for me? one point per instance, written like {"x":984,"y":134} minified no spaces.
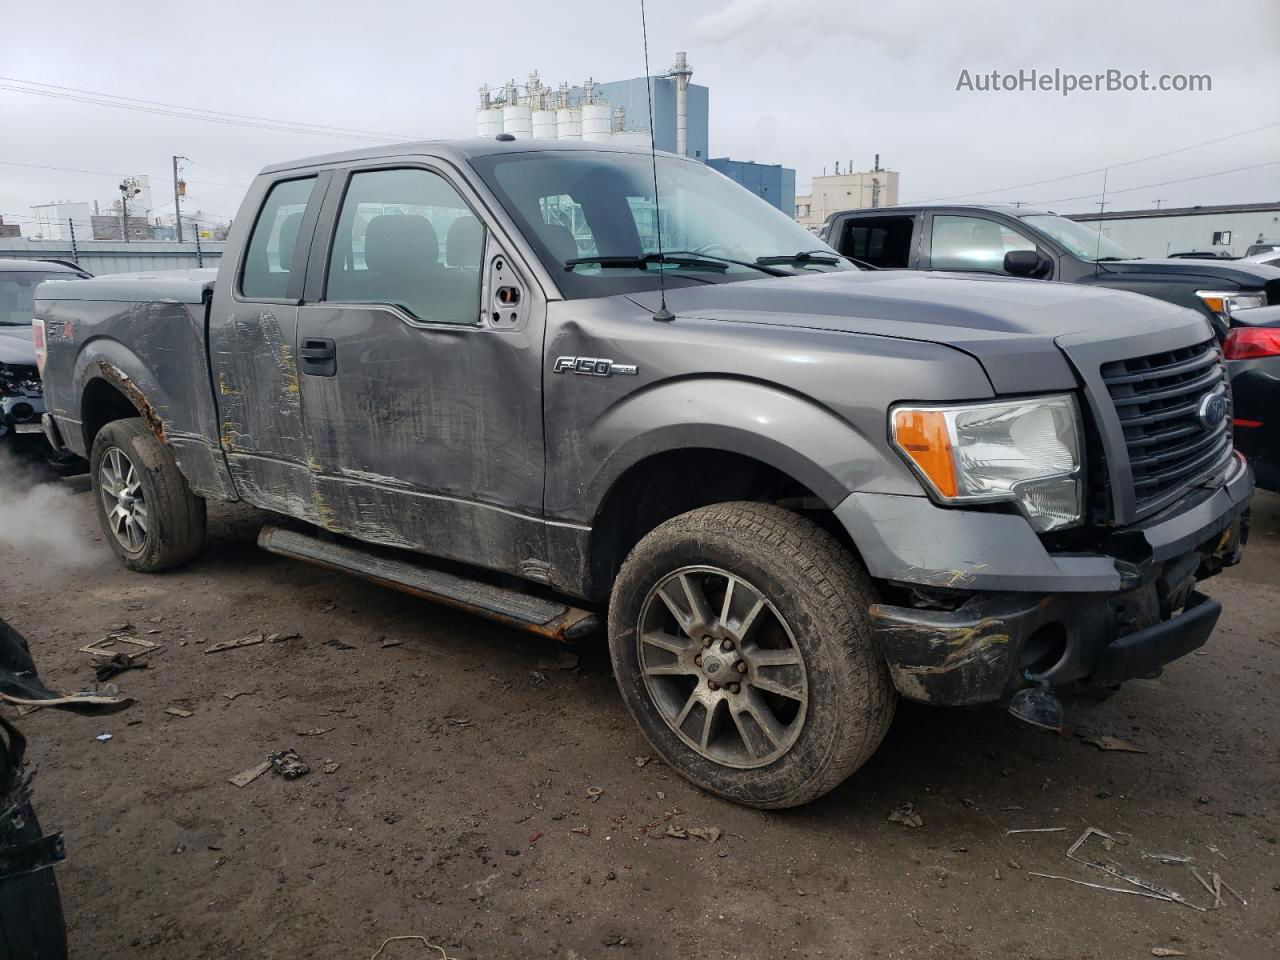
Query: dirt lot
{"x":463,"y":767}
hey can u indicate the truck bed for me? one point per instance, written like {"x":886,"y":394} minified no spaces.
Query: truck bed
{"x":138,"y":338}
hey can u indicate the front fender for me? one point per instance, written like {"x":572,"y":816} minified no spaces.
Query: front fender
{"x":793,"y":433}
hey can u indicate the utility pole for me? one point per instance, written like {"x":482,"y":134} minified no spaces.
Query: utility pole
{"x":179,"y":191}
{"x":1158,"y":202}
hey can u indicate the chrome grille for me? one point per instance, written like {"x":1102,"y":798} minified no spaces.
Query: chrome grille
{"x":1157,"y":399}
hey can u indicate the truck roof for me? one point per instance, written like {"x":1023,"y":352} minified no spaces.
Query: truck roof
{"x":461,"y":150}
{"x":1006,"y":209}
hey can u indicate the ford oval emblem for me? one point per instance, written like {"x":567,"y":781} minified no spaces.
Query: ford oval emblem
{"x":1213,"y":409}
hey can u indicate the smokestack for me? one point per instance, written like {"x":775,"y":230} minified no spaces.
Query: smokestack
{"x":681,"y":73}
{"x":877,"y":163}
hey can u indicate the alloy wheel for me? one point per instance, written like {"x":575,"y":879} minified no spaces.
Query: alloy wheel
{"x":722,"y":666}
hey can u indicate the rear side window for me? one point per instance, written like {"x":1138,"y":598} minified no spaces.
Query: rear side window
{"x":407,"y":238}
{"x":881,"y":242}
{"x":274,"y":239}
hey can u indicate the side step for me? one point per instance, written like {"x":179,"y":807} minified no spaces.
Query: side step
{"x":558,"y":621}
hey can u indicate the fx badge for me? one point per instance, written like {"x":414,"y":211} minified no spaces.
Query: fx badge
{"x":594,"y":367}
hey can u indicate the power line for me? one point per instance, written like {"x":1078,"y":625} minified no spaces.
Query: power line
{"x":160,"y":108}
{"x":1162,"y":183}
{"x":1109,"y":166}
{"x":103,"y":173}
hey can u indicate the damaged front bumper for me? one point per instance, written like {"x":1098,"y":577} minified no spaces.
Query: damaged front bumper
{"x":985,"y":630}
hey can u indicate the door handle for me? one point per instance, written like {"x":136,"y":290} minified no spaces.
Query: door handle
{"x":319,"y":357}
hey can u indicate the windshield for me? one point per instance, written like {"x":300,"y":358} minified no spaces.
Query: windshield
{"x":596,"y":207}
{"x":17,"y":290}
{"x":1084,"y":242}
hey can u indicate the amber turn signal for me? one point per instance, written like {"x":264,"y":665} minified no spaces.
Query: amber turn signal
{"x":922,"y":435}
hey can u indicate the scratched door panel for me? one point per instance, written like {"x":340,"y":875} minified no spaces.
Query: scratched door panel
{"x":252,"y":331}
{"x":428,"y":437}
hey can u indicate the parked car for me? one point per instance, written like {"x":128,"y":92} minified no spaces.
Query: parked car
{"x":1267,"y":258}
{"x":1201,"y":255}
{"x":1262,"y":247}
{"x":790,"y":489}
{"x":21,"y":397}
{"x":1021,"y":242}
{"x":1252,"y":350}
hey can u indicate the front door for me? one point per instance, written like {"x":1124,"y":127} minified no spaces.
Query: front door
{"x":422,"y":403}
{"x":966,"y":243}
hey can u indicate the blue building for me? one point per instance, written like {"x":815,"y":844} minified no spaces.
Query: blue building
{"x":769,"y":181}
{"x":632,"y":96}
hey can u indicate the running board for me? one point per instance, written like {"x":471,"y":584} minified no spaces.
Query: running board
{"x":549,"y":618}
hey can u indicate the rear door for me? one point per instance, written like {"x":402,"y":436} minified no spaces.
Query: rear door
{"x":251,"y":348}
{"x":420,"y":346}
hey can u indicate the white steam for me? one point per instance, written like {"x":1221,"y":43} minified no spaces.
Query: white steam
{"x":39,"y":517}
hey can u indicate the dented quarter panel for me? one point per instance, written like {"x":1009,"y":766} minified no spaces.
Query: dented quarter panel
{"x":151,"y":350}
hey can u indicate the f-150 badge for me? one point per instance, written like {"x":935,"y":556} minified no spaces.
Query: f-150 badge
{"x":594,"y":367}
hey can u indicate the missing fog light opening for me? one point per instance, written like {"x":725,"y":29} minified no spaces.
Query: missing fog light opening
{"x":1043,"y":650}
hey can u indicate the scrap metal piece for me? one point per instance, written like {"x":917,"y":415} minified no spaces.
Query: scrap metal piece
{"x":99,"y":648}
{"x":1114,"y":870}
{"x":1099,"y":886}
{"x":289,"y":765}
{"x":246,"y":777}
{"x":249,"y":641}
{"x":1167,"y":858}
{"x":1009,"y":833}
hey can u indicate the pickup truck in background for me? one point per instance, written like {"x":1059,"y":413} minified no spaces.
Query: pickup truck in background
{"x":790,"y":490}
{"x":1021,"y":242}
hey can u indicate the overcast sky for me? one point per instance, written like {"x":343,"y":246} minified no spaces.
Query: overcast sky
{"x":799,"y":82}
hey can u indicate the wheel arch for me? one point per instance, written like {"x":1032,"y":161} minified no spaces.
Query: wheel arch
{"x":675,"y":480}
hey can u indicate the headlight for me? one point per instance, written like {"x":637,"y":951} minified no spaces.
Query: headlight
{"x":1225,"y":303}
{"x":1025,"y":451}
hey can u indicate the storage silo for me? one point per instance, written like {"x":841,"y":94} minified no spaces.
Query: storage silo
{"x":517,"y":120}
{"x":545,"y":124}
{"x":488,"y":118}
{"x":569,"y":123}
{"x":597,"y":122}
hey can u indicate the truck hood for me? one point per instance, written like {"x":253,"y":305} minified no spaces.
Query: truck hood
{"x":1012,"y":327}
{"x":16,"y":345}
{"x":1239,"y":274}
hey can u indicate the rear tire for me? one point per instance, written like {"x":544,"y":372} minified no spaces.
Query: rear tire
{"x":150,"y":517}
{"x":806,"y":697}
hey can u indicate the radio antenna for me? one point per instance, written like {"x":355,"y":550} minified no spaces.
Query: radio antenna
{"x":1097,"y":256}
{"x":663,"y":314}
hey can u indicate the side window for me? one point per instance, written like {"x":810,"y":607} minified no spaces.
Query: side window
{"x":275,"y":236}
{"x":972,"y":243}
{"x":881,"y":242}
{"x":405,"y":237}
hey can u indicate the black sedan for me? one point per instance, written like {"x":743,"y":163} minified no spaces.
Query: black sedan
{"x":1252,"y":351}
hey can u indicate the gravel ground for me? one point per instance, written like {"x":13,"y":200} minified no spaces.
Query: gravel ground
{"x":452,"y":765}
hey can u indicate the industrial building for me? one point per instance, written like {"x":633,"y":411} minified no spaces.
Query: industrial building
{"x":618,"y":112}
{"x":876,"y":187}
{"x":1225,"y":230}
{"x":769,"y":181}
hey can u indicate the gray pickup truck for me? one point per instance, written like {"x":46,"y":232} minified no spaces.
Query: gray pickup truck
{"x":793,"y":489}
{"x":1021,"y":242}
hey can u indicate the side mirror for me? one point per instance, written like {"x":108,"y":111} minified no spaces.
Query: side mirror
{"x":1027,"y":263}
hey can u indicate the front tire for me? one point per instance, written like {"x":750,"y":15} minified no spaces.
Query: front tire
{"x":740,"y":642}
{"x":150,"y":517}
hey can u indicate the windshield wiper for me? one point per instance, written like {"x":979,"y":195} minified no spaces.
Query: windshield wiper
{"x":642,"y":262}
{"x":825,"y":257}
{"x":1112,"y":259}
